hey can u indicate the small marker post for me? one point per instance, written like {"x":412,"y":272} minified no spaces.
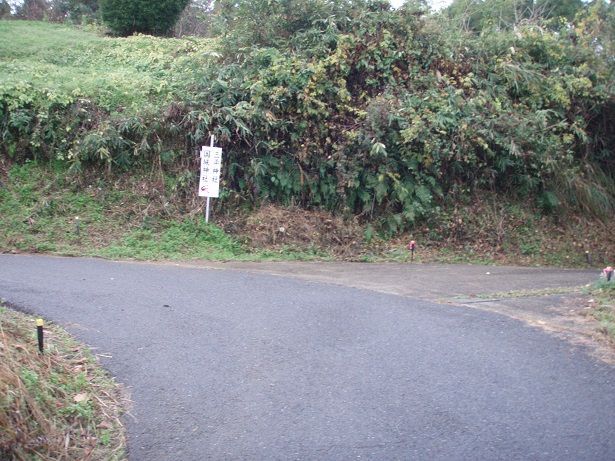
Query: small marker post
{"x":39,"y":334}
{"x":411,"y":247}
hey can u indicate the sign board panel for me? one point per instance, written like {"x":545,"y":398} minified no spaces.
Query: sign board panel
{"x":211,"y":161}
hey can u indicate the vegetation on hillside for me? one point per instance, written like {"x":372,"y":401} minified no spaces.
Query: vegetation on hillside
{"x":392,"y":118}
{"x":77,"y":104}
{"x":42,"y":209}
{"x":57,"y":68}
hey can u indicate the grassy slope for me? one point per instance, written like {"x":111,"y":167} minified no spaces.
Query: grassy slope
{"x":133,"y":73}
{"x":39,"y":205}
{"x":132,"y":217}
{"x":46,"y":210}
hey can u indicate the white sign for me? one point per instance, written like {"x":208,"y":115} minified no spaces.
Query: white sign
{"x":211,"y":160}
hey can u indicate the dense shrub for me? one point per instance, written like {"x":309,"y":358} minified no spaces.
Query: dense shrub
{"x":32,"y":9}
{"x":391,"y":117}
{"x":478,"y":15}
{"x":156,"y":17}
{"x":195,"y":20}
{"x":381,"y":113}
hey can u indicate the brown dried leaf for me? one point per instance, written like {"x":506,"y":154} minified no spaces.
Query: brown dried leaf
{"x":80,"y":397}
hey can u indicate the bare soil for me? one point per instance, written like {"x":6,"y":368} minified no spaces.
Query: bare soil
{"x":274,"y":227}
{"x":484,"y":231}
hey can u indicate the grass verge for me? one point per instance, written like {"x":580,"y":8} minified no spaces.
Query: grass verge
{"x":60,"y":405}
{"x":531,"y":293}
{"x":603,"y":294}
{"x":44,"y":208}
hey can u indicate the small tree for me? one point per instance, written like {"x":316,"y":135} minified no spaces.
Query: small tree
{"x":195,"y":20}
{"x":156,"y":17}
{"x":5,"y":9}
{"x":32,"y":9}
{"x":74,"y":10}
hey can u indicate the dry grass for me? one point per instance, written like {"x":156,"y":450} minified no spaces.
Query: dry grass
{"x":489,"y":231}
{"x":57,"y":406}
{"x":274,"y":227}
{"x":603,"y":308}
{"x":483,"y":231}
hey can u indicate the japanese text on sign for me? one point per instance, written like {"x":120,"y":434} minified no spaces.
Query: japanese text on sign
{"x":211,"y":160}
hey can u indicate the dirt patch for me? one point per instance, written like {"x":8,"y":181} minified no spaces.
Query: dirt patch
{"x":488,"y":230}
{"x":274,"y":227}
{"x":567,"y":317}
{"x":484,"y":231}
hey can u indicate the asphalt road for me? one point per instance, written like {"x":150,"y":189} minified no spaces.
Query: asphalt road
{"x":236,"y":365}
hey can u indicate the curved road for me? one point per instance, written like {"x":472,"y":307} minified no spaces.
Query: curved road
{"x":236,"y":365}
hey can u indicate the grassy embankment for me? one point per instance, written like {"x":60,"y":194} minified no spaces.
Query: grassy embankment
{"x":603,"y":307}
{"x":47,"y":208}
{"x":43,"y":211}
{"x":60,"y":405}
{"x":58,"y":208}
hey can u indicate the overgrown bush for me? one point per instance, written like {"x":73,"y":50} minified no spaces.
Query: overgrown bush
{"x":365,"y":110}
{"x":5,"y":9}
{"x":389,"y":118}
{"x":195,"y":20}
{"x":156,"y":17}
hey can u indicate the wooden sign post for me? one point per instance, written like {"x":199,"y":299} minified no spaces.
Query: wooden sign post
{"x":209,"y":182}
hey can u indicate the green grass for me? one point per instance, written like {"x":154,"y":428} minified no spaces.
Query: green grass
{"x":184,"y":239}
{"x":531,"y":293}
{"x":128,"y":217}
{"x":43,"y":210}
{"x":53,"y":62}
{"x":193,"y":238}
